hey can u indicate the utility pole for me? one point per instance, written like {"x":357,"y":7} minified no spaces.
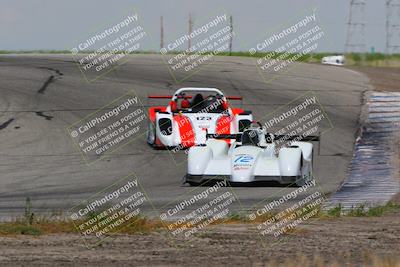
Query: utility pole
{"x":392,"y":26}
{"x":190,"y":30}
{"x":161,"y":32}
{"x":231,"y":34}
{"x":355,"y":41}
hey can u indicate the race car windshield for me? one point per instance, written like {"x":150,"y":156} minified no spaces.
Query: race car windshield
{"x":211,"y":104}
{"x":250,"y":138}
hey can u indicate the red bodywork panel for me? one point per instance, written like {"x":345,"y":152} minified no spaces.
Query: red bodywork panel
{"x":224,"y":125}
{"x":236,"y":111}
{"x":185,"y":130}
{"x":152,"y":112}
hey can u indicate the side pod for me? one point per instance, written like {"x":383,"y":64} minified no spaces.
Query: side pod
{"x":290,"y":161}
{"x":198,"y":158}
{"x":164,"y":128}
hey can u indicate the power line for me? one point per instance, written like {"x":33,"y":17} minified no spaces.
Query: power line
{"x":392,"y":26}
{"x":161,"y":32}
{"x":190,"y":31}
{"x":231,"y":34}
{"x":355,"y":40}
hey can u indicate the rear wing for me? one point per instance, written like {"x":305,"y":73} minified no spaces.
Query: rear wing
{"x":309,"y":138}
{"x":188,"y":97}
{"x":234,"y":98}
{"x":165,"y":97}
{"x":159,"y":96}
{"x":268,"y":137}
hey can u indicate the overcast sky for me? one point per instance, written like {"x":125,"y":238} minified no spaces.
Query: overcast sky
{"x":56,"y":24}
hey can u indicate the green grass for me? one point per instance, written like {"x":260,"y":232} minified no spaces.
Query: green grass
{"x":43,"y":226}
{"x":235,"y":217}
{"x":334,"y":212}
{"x":362,"y":211}
{"x":144,"y":225}
{"x":18,"y":229}
{"x":35,"y":52}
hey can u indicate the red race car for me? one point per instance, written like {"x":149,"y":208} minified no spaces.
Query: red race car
{"x":191,"y":114}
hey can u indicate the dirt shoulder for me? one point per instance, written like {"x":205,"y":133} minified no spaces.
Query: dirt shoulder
{"x":382,"y":78}
{"x":348,"y":241}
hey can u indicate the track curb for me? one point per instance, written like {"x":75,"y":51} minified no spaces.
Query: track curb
{"x":373,"y":177}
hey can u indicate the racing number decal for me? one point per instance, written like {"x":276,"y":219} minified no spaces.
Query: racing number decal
{"x":243,"y":162}
{"x":243,"y":159}
{"x":203,"y":118}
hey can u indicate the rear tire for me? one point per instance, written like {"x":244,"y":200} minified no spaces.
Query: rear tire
{"x":303,"y":181}
{"x":191,"y":183}
{"x":151,"y":135}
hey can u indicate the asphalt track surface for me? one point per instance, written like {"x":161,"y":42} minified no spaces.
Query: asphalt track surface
{"x":38,"y":159}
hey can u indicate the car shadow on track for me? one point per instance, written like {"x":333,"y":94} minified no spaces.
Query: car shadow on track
{"x":250,"y":184}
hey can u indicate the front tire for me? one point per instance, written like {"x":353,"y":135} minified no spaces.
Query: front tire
{"x":303,"y":180}
{"x":306,"y":178}
{"x":193,"y":183}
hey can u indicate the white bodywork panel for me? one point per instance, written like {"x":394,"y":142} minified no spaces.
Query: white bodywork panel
{"x":250,"y":163}
{"x":334,"y":60}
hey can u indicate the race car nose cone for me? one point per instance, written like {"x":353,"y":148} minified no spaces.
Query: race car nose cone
{"x":243,"y":162}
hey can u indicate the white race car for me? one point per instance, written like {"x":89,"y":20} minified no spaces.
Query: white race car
{"x":255,"y":156}
{"x":192,"y":112}
{"x":338,"y":60}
